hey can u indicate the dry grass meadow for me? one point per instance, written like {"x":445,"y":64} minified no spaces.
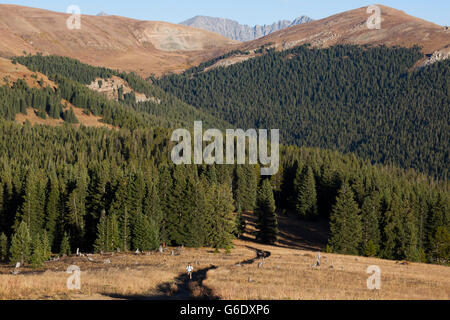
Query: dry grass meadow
{"x":287,"y":274}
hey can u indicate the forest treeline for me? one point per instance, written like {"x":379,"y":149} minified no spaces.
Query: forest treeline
{"x":63,"y":188}
{"x":366,"y":100}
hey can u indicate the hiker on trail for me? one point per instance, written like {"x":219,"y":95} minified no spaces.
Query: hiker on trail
{"x":189,"y":270}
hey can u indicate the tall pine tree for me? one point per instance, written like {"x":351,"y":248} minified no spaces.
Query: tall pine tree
{"x":20,"y":249}
{"x":246,"y":186}
{"x":266,"y":214}
{"x":345,"y":223}
{"x":305,"y":187}
{"x":3,"y":247}
{"x":370,"y":213}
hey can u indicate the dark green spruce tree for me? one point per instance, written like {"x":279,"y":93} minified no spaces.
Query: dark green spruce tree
{"x":246,"y":186}
{"x":345,"y":223}
{"x":52,"y":208}
{"x":101,"y":243}
{"x":20,"y":250}
{"x":38,"y":254}
{"x":266,"y":214}
{"x":3,"y":247}
{"x":223,"y":223}
{"x":145,"y":235}
{"x":64,"y":247}
{"x":370,"y":213}
{"x":305,"y":188}
{"x":241,"y":223}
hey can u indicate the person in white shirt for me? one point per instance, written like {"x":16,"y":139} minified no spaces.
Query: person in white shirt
{"x":189,"y":270}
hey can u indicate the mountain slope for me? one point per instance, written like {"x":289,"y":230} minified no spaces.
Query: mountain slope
{"x":146,"y":47}
{"x":362,"y":100}
{"x":350,"y":27}
{"x":95,"y":94}
{"x":236,"y":31}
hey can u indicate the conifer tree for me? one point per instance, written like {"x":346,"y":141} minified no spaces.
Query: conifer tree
{"x":152,"y":207}
{"x":42,"y":181}
{"x":246,"y":186}
{"x":97,"y":199}
{"x":439,"y":216}
{"x":76,"y":205}
{"x":345,"y":223}
{"x":400,"y":231}
{"x":241,"y":223}
{"x":145,"y":235}
{"x":122,"y":208}
{"x":3,"y":247}
{"x":136,"y":194}
{"x":113,"y":234}
{"x":359,"y":189}
{"x":52,"y":208}
{"x":439,"y":230}
{"x":305,"y":187}
{"x":164,"y":186}
{"x":179,"y":207}
{"x":392,"y":231}
{"x":211,"y":174}
{"x":3,"y":218}
{"x":420,"y":208}
{"x":266,"y":214}
{"x":101,"y":243}
{"x":223,"y":223}
{"x":64,"y":248}
{"x":20,"y":249}
{"x":197,"y":222}
{"x":440,"y":250}
{"x":370,"y":250}
{"x":46,"y":246}
{"x":410,"y":237}
{"x":38,"y":254}
{"x":370,"y":213}
{"x":70,"y":117}
{"x":31,"y":208}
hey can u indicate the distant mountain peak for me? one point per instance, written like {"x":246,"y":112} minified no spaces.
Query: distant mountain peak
{"x":240,"y":32}
{"x":102,"y":14}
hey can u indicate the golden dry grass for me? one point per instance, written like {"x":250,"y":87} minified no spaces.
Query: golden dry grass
{"x":83,"y":118}
{"x":127,"y":276}
{"x":287,"y":275}
{"x":13,"y":72}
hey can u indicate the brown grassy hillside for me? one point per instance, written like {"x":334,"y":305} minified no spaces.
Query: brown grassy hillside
{"x":397,"y":29}
{"x":147,"y":47}
{"x":150,"y":47}
{"x":350,"y":27}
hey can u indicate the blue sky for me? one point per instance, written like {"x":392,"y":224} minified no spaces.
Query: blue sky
{"x":245,"y":11}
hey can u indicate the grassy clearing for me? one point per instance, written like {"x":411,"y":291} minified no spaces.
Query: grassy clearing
{"x":287,"y":274}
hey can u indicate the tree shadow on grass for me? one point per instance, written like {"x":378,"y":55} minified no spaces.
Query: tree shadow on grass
{"x":182,"y":288}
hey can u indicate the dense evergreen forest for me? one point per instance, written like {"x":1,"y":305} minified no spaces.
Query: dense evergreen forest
{"x":101,"y":190}
{"x":63,"y":188}
{"x":365,"y":100}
